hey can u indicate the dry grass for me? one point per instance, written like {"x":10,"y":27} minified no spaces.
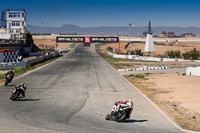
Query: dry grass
{"x":51,"y":42}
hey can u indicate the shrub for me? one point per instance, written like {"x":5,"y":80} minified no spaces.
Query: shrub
{"x":109,"y":48}
{"x":137,"y":52}
{"x":131,"y":75}
{"x":173,"y":54}
{"x":140,"y":76}
{"x":193,"y":54}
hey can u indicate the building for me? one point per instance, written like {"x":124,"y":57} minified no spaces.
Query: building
{"x":191,"y":35}
{"x":13,"y":30}
{"x":166,"y":35}
{"x":13,"y":21}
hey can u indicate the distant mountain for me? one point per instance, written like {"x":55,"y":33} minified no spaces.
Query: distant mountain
{"x":110,"y":30}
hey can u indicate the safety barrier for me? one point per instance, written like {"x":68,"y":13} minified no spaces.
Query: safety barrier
{"x":9,"y":57}
{"x":145,"y":58}
{"x":144,"y":68}
{"x":35,"y":60}
{"x":41,"y":58}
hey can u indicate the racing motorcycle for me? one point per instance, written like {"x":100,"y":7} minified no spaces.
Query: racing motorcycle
{"x":17,"y":91}
{"x":120,"y":113}
{"x":8,"y":78}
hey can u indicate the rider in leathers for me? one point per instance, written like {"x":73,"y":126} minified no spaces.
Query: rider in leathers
{"x":22,"y":88}
{"x":11,"y":73}
{"x":127,"y":103}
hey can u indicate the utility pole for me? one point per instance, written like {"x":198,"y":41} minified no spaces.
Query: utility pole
{"x":130,"y":29}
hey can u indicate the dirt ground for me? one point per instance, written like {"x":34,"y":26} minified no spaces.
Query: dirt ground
{"x":51,"y":43}
{"x":177,"y":94}
{"x":159,"y":49}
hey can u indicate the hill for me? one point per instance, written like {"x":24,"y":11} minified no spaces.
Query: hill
{"x":110,"y":30}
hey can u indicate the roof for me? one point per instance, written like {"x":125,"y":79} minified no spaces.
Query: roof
{"x":7,"y":50}
{"x":16,"y":10}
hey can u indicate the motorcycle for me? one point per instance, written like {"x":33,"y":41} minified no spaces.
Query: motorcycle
{"x":8,"y":78}
{"x":17,"y":91}
{"x":120,"y":113}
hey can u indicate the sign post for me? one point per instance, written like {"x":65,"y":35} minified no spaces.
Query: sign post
{"x":119,"y":46}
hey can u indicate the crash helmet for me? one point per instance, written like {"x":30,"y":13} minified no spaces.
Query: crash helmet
{"x":22,"y":83}
{"x":129,"y":103}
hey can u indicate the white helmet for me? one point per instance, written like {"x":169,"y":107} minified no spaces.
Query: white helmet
{"x":129,"y":103}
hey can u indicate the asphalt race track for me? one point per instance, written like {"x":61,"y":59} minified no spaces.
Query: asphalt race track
{"x":73,"y":94}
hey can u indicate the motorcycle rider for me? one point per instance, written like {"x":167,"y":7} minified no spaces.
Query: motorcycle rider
{"x":22,"y":88}
{"x":11,"y":73}
{"x":123,"y":104}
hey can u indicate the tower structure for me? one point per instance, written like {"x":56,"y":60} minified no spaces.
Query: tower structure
{"x":149,"y":45}
{"x":16,"y":21}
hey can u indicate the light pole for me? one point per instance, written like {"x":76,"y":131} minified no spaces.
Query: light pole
{"x":130,"y":29}
{"x":42,"y":30}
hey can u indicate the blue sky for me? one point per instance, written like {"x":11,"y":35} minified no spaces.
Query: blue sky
{"x":92,"y":13}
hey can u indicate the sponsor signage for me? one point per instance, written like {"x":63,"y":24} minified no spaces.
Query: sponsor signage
{"x":88,"y":39}
{"x":104,"y":39}
{"x":70,"y":39}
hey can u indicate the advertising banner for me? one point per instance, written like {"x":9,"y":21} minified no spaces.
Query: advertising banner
{"x":88,"y":39}
{"x":70,"y":39}
{"x":104,"y":39}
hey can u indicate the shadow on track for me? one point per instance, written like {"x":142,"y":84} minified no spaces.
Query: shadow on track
{"x":11,"y":85}
{"x":27,"y":99}
{"x":133,"y":121}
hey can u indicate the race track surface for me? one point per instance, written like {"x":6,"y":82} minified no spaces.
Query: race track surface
{"x":73,"y":94}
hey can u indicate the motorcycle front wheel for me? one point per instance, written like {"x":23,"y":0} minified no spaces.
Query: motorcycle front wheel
{"x":15,"y":96}
{"x":121,"y":116}
{"x":6,"y":82}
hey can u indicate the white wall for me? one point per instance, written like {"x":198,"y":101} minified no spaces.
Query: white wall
{"x":193,"y":71}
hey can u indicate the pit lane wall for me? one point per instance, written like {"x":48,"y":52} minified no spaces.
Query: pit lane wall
{"x":41,"y":58}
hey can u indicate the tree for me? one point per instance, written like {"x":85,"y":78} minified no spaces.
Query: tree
{"x":30,"y":42}
{"x":145,"y":33}
{"x":193,"y":54}
{"x":171,"y":33}
{"x":164,"y":32}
